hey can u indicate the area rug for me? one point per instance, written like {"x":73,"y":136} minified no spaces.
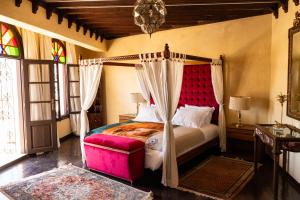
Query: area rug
{"x":71,"y":183}
{"x":218,"y":178}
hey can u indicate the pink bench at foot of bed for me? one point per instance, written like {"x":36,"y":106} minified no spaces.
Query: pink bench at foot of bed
{"x":117,"y":156}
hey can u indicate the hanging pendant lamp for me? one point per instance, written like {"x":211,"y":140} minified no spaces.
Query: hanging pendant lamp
{"x":149,"y":15}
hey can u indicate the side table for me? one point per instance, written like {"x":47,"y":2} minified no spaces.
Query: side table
{"x":281,"y":140}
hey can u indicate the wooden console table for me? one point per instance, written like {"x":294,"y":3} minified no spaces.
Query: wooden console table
{"x":281,"y":141}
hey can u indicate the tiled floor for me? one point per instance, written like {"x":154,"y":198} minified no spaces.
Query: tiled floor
{"x":259,"y":188}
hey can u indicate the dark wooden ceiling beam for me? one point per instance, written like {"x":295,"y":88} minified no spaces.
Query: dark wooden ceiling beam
{"x":91,"y":33}
{"x":77,"y":26}
{"x":116,"y":13}
{"x":97,"y":35}
{"x":49,"y":11}
{"x":85,"y":29}
{"x":130,"y":3}
{"x":35,"y":6}
{"x":99,"y":17}
{"x":18,"y":3}
{"x":170,"y":9}
{"x":285,"y":5}
{"x":70,"y":22}
{"x":275,"y":10}
{"x":60,"y":17}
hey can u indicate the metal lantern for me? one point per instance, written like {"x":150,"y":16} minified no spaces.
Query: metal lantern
{"x":149,"y":15}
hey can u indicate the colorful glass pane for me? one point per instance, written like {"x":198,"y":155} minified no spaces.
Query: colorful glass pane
{"x":4,"y":29}
{"x":58,"y":52}
{"x":8,"y":42}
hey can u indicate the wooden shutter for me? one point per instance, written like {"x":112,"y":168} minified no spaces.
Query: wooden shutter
{"x":74,"y":88}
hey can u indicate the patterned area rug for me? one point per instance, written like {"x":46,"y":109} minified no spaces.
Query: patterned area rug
{"x":70,"y":182}
{"x":218,"y":178}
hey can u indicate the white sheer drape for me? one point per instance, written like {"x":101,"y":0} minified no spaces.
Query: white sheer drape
{"x":45,"y":45}
{"x":74,"y":89}
{"x":71,"y":53}
{"x":30,"y":44}
{"x":90,"y":76}
{"x":164,"y":79}
{"x":143,"y":83}
{"x":217,"y":82}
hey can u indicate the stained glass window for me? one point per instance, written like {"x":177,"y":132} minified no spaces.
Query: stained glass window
{"x":8,"y":42}
{"x":58,"y":52}
{"x":59,"y":57}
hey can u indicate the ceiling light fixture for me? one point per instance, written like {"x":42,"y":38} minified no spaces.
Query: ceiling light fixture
{"x":149,"y":15}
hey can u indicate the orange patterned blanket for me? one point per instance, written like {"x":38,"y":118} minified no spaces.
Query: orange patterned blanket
{"x":137,"y":130}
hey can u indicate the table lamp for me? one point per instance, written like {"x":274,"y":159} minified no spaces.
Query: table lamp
{"x":239,"y":103}
{"x":137,"y":98}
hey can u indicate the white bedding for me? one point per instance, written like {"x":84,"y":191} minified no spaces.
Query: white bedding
{"x":186,"y":139}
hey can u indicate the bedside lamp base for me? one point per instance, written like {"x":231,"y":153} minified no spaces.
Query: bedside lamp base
{"x":239,"y":124}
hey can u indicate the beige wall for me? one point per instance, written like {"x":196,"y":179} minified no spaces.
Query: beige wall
{"x":64,"y":128}
{"x":279,"y":73}
{"x":245,"y":43}
{"x":86,"y":53}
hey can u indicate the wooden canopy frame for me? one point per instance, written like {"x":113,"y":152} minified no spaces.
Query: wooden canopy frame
{"x":165,"y":54}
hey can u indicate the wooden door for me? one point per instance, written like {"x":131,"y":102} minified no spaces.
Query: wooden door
{"x":38,"y":92}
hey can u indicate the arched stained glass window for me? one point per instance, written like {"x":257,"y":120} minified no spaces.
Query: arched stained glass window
{"x":9,"y":45}
{"x":60,"y":81}
{"x":58,"y":51}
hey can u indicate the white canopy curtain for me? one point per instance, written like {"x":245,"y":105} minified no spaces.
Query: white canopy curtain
{"x":36,"y":47}
{"x":218,"y":86}
{"x":90,"y":75}
{"x":164,"y":79}
{"x":74,"y":89}
{"x":143,"y":83}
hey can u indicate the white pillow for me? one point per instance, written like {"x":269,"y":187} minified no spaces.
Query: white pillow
{"x":191,"y":118}
{"x":147,"y":114}
{"x":200,"y":107}
{"x":210,"y":111}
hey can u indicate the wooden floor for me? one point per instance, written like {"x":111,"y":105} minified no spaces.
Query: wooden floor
{"x":259,"y":188}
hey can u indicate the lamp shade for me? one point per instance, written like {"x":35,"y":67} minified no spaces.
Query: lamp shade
{"x":239,"y":103}
{"x":136,"y":98}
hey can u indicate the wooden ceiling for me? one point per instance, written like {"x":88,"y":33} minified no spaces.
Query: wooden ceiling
{"x":113,"y":18}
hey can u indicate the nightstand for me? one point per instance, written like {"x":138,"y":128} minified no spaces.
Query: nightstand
{"x":240,"y":140}
{"x":126,"y":117}
{"x":95,"y":120}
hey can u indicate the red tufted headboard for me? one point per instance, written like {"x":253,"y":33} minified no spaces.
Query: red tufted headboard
{"x":197,"y":88}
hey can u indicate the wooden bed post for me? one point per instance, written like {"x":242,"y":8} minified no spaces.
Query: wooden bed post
{"x":222,"y":59}
{"x":167,"y":52}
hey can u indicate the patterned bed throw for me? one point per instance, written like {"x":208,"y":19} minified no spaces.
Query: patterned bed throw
{"x":137,"y":130}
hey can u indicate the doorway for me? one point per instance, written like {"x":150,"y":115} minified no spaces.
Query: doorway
{"x":11,"y":141}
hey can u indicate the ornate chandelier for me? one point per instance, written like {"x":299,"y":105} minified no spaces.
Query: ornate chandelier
{"x":149,"y":15}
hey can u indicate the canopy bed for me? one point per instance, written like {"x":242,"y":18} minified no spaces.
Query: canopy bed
{"x":170,"y":85}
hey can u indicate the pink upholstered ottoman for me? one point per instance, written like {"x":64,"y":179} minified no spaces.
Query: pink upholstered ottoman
{"x":117,"y":156}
